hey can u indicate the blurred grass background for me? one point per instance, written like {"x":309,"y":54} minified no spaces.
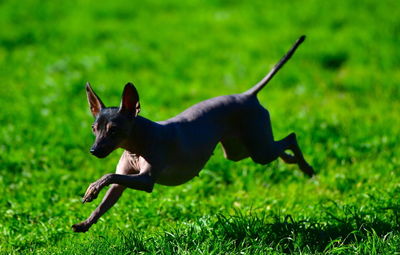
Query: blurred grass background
{"x":340,"y":94}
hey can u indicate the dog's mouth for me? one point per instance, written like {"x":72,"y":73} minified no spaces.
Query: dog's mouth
{"x":100,"y":152}
{"x":101,"y":155}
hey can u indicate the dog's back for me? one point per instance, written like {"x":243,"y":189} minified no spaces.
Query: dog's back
{"x":237,"y":121}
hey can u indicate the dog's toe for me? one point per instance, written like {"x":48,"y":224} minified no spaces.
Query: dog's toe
{"x":308,"y":170}
{"x":91,"y":193}
{"x":80,"y":227}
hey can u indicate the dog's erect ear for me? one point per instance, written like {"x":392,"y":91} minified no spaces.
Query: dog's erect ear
{"x":94,"y":101}
{"x":130,"y":100}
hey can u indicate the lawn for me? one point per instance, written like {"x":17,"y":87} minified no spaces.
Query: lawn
{"x":339,"y":93}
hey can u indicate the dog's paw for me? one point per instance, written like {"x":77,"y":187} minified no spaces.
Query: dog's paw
{"x":94,"y":189}
{"x":308,"y":170}
{"x":81,"y":227}
{"x":92,"y":192}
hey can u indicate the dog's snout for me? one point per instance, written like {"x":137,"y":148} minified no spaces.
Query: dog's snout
{"x":95,"y":150}
{"x":99,"y":151}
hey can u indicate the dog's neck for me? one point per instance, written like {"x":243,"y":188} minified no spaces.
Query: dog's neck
{"x":142,"y":136}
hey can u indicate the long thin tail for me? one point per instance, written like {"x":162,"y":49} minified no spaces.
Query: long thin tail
{"x":254,"y":90}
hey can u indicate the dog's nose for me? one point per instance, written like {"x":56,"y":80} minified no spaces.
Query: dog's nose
{"x":92,"y":150}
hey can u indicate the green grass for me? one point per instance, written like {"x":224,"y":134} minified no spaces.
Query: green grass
{"x":340,"y":94}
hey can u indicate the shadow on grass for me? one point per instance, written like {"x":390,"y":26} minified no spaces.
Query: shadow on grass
{"x":255,"y":234}
{"x":284,"y":234}
{"x":346,"y":230}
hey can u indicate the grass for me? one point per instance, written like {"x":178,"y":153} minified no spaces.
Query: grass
{"x":339,"y":93}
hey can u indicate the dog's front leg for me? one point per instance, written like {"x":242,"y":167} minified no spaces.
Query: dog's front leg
{"x":120,"y":182}
{"x":142,"y":182}
{"x":111,"y":197}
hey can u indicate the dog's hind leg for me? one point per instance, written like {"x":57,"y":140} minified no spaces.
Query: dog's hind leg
{"x":263,"y":149}
{"x":290,"y":143}
{"x":287,"y":158}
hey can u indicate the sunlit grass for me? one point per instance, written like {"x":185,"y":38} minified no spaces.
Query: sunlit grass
{"x":339,"y":93}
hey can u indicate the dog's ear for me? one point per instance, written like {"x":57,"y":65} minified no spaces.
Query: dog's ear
{"x":95,"y":103}
{"x":130,"y":100}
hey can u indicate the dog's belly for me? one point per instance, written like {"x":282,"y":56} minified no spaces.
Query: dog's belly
{"x":185,"y":158}
{"x":184,"y":166}
{"x":178,"y":174}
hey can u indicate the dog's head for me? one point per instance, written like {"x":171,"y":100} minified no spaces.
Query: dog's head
{"x":112,"y":125}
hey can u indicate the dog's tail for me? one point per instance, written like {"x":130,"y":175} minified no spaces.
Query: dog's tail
{"x":254,"y":90}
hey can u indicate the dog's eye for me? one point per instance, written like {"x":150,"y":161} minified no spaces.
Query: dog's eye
{"x":112,"y":130}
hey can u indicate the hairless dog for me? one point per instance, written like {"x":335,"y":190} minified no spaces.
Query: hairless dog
{"x":174,"y":151}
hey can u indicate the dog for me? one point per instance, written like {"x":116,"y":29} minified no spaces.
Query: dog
{"x":174,"y":151}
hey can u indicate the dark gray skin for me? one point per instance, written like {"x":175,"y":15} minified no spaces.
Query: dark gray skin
{"x":174,"y":151}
